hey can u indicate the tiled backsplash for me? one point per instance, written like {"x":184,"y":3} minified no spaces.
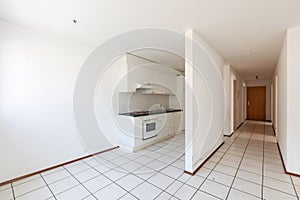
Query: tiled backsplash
{"x":129,"y":102}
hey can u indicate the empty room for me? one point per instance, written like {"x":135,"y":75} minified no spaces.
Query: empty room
{"x":109,"y":100}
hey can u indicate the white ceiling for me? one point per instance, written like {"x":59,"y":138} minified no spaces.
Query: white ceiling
{"x":165,"y":58}
{"x":231,"y":27}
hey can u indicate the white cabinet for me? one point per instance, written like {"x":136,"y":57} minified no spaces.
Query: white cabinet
{"x":177,"y":122}
{"x":167,"y":125}
{"x":140,"y":71}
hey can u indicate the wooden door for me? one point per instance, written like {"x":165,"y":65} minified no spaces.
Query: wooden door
{"x":256,"y":103}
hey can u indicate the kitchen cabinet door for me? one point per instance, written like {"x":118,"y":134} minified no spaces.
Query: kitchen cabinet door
{"x":177,"y":122}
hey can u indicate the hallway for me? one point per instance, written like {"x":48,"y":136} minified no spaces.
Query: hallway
{"x":247,"y":166}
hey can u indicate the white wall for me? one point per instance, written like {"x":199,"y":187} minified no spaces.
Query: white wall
{"x":293,"y":100}
{"x":229,"y":76}
{"x":288,"y":108}
{"x":267,"y":83}
{"x":37,"y":76}
{"x":202,"y":90}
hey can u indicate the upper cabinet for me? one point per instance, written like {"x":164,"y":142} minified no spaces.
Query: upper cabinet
{"x":148,"y":77}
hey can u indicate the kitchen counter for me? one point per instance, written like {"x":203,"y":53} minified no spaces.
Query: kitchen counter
{"x":152,"y":112}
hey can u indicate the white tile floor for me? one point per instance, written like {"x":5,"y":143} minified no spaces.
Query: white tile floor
{"x":247,"y":166}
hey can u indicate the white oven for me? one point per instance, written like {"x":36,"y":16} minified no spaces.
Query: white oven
{"x":150,"y":128}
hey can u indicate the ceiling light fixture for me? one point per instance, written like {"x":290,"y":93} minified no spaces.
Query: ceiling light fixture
{"x":74,"y":21}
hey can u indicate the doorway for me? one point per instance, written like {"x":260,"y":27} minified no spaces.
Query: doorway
{"x":235,"y":105}
{"x":256,"y":103}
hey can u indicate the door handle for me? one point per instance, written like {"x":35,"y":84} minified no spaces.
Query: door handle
{"x":248,"y":103}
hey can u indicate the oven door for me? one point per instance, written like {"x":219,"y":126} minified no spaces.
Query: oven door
{"x":149,"y":129}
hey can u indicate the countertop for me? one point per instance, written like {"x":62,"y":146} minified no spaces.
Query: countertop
{"x":152,"y":112}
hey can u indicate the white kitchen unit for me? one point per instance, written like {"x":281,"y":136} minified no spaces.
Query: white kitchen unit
{"x":140,"y":132}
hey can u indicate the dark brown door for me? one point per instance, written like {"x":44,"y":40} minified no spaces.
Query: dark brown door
{"x":256,"y":103}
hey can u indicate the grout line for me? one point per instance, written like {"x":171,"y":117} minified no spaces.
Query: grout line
{"x":13,"y":191}
{"x":294,"y":187}
{"x":28,"y":191}
{"x":144,"y":180}
{"x":232,"y":142}
{"x":228,"y":145}
{"x":263,"y":164}
{"x":48,"y":186}
{"x":249,"y":139}
{"x":80,"y":184}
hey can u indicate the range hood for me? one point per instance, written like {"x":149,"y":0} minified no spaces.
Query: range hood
{"x":152,"y":88}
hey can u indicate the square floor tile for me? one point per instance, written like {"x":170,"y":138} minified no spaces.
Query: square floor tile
{"x":116,"y":174}
{"x":92,"y":162}
{"x":26,"y":180}
{"x":42,"y":193}
{"x":157,"y":165}
{"x":78,"y":192}
{"x":238,"y":195}
{"x":161,"y":181}
{"x":249,"y":176}
{"x":131,"y":166}
{"x":97,"y":183}
{"x":163,"y":196}
{"x":77,"y":167}
{"x":146,"y":191}
{"x":112,"y":191}
{"x":209,"y":165}
{"x":129,"y":182}
{"x":251,"y":168}
{"x":270,"y":194}
{"x":102,"y":168}
{"x":185,"y":192}
{"x":179,"y":164}
{"x":29,"y":186}
{"x":63,"y":185}
{"x":56,"y":176}
{"x":91,"y":197}
{"x":203,"y":172}
{"x":279,"y":185}
{"x":195,"y":181}
{"x":247,"y":187}
{"x":296,"y":180}
{"x":225,"y":169}
{"x":172,"y":189}
{"x":144,"y":172}
{"x":172,"y":172}
{"x":6,"y":194}
{"x":184,"y":177}
{"x":230,"y":163}
{"x":86,"y":175}
{"x":202,"y":195}
{"x":277,"y":175}
{"x":128,"y":196}
{"x":144,"y":160}
{"x":221,"y":178}
{"x":3,"y":187}
{"x":216,"y":189}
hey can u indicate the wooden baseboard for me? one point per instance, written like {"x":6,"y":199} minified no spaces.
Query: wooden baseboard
{"x":240,"y":125}
{"x":274,"y":130}
{"x":287,"y":172}
{"x":195,"y":171}
{"x":233,"y":131}
{"x":56,"y":166}
{"x":229,"y":135}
